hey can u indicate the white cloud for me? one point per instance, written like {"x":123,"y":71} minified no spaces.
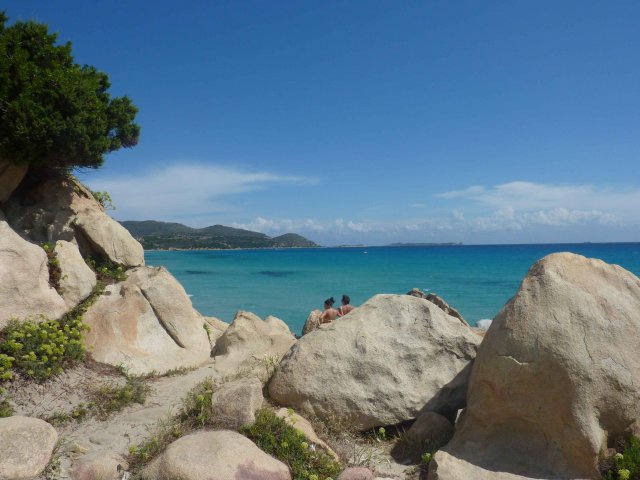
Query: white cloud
{"x":529,"y":196}
{"x":184,"y":190}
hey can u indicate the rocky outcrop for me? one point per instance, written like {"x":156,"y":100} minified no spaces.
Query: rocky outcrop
{"x":312,"y":323}
{"x":236,"y":402}
{"x":557,"y":377}
{"x":436,"y":300}
{"x":24,"y":279}
{"x":26,"y":445}
{"x":77,"y":280}
{"x":252,"y":343}
{"x":356,"y":473}
{"x":147,"y":324}
{"x":10,"y":177}
{"x":382,"y":364}
{"x":230,"y":455}
{"x":63,"y":209}
{"x":214,"y":328}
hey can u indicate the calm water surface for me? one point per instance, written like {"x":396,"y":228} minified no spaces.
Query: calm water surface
{"x":288,"y":283}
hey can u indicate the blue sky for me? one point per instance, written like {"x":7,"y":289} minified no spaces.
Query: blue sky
{"x":372,"y":122}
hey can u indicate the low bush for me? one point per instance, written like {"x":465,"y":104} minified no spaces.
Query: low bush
{"x":55,"y":272}
{"x":106,"y":271}
{"x":110,"y":399}
{"x":276,"y":437}
{"x":626,"y":463}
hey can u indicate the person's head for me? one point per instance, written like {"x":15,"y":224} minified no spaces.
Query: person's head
{"x":328,"y":303}
{"x":346,"y":300}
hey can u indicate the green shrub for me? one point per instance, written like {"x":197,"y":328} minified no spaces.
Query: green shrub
{"x":104,"y":199}
{"x":197,"y":410}
{"x":41,"y":349}
{"x":106,"y":271}
{"x":276,"y":437}
{"x":626,"y":463}
{"x":111,"y":399}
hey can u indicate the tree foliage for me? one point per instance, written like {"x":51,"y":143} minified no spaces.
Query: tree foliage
{"x":54,"y":113}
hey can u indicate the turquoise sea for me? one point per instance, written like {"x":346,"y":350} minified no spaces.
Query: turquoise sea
{"x":288,"y":283}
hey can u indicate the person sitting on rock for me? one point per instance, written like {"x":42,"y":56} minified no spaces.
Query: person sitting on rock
{"x":329,"y":314}
{"x":345,"y":307}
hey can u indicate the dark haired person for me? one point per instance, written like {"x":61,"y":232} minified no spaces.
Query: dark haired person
{"x":329,"y":314}
{"x":345,"y":307}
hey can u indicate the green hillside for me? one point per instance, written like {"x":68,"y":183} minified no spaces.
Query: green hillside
{"x":164,"y":236}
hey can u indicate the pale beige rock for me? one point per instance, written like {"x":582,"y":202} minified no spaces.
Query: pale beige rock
{"x":78,"y":279}
{"x":100,"y":465}
{"x":312,"y":323}
{"x":215,"y":328}
{"x":147,"y":324}
{"x":230,"y":455}
{"x":62,"y":208}
{"x":557,"y":376}
{"x":250,"y":343}
{"x":382,"y":364}
{"x":444,"y":466}
{"x":303,"y":425}
{"x":26,"y":445}
{"x":108,"y":238}
{"x":10,"y":177}
{"x":235,"y":403}
{"x":24,"y":280}
{"x":356,"y":473}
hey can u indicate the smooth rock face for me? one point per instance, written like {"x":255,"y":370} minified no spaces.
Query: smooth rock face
{"x":147,"y":324}
{"x":249,"y":342}
{"x":63,"y":209}
{"x":26,"y":445}
{"x":24,"y":279}
{"x":382,"y":364}
{"x":312,"y":323}
{"x":235,"y":403}
{"x":221,"y":454}
{"x":557,"y":376}
{"x":10,"y":177}
{"x":78,"y":279}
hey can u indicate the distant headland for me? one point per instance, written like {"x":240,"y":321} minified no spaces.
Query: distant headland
{"x":448,"y":244}
{"x":154,"y":235}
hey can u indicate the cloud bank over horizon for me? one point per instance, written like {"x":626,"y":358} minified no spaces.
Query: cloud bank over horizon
{"x":513,"y":212}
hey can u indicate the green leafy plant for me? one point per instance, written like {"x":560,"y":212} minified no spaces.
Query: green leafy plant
{"x":626,"y":463}
{"x":276,"y":437}
{"x":113,"y":398}
{"x":104,"y":199}
{"x":106,"y":271}
{"x":56,"y":114}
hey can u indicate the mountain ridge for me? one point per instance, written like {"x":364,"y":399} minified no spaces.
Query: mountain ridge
{"x":156,"y":235}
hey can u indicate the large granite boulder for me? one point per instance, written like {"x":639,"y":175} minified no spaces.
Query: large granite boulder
{"x":61,"y":208}
{"x":147,"y":324}
{"x":557,"y":378}
{"x":77,"y":280}
{"x":223,"y":455}
{"x":10,"y":177}
{"x":382,"y":364}
{"x":24,"y":279}
{"x":251,"y":343}
{"x":235,"y":403}
{"x":26,"y":445}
